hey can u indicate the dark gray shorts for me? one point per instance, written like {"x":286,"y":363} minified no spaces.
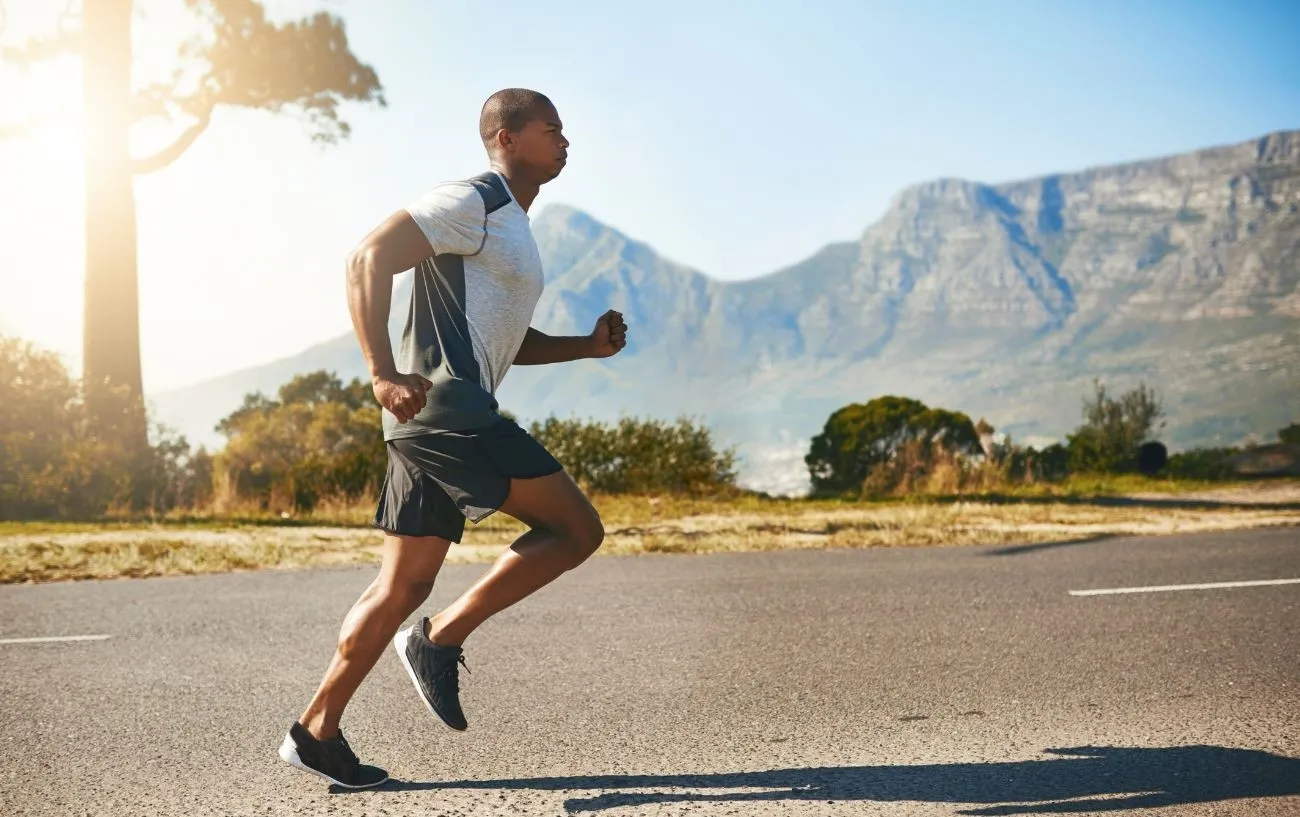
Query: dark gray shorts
{"x":438,"y":480}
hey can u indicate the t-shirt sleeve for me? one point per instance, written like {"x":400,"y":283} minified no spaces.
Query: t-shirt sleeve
{"x":452,"y":217}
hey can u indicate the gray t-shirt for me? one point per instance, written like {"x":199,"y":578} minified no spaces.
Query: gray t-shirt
{"x":471,"y":302}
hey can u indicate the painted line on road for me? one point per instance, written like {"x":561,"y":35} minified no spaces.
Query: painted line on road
{"x":1165,"y":588}
{"x":54,"y":638}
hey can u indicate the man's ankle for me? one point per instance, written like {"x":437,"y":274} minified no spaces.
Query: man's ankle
{"x":441,"y":635}
{"x":319,"y":728}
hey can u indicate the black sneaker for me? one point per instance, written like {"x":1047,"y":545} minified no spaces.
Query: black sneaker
{"x":433,"y":670}
{"x":331,"y":759}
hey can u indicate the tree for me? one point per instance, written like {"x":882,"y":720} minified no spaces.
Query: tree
{"x":984,"y":431}
{"x":59,"y":465}
{"x":861,"y":437}
{"x":1114,"y":429}
{"x":318,"y":440}
{"x":245,"y":61}
{"x":1290,"y":434}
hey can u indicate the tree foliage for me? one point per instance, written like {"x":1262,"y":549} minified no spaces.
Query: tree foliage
{"x":1114,"y":429}
{"x":318,"y":439}
{"x":243,"y":59}
{"x":861,"y":437}
{"x":1029,"y":464}
{"x":57,"y":464}
{"x":638,"y":455}
{"x":1203,"y":463}
{"x":1290,"y":434}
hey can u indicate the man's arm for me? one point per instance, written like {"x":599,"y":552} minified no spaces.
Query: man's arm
{"x":539,"y":348}
{"x":391,"y":248}
{"x":607,"y":339}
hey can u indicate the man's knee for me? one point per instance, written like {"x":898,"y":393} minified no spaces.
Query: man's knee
{"x":582,"y":533}
{"x":406,"y":594}
{"x":588,"y":535}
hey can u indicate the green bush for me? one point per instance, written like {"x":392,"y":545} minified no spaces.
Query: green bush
{"x":638,"y":456}
{"x":1202,"y":463}
{"x":318,"y":440}
{"x":1113,"y":430}
{"x":862,"y":437}
{"x":60,"y":463}
{"x":1028,"y":464}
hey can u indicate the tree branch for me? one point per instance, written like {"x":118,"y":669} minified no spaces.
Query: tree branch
{"x":172,"y":152}
{"x":65,"y":40}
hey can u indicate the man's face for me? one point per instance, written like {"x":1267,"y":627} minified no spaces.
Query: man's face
{"x":541,"y":145}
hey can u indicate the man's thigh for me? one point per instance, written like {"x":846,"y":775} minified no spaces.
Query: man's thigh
{"x":413,"y":559}
{"x":553,"y":502}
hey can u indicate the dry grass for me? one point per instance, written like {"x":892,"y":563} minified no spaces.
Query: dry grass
{"x":40,"y":552}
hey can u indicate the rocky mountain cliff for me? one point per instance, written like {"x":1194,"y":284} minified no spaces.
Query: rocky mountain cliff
{"x":1000,"y":300}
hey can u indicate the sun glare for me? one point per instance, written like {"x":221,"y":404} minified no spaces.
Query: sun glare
{"x":42,"y":180}
{"x":41,"y":195}
{"x":41,"y":108}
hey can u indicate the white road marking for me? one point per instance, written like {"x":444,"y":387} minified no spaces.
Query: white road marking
{"x":54,"y":638}
{"x":1164,"y":588}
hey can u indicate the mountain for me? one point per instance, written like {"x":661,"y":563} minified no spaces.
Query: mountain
{"x":1001,"y":300}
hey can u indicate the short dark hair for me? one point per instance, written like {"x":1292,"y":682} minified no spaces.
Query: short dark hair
{"x":510,"y":109}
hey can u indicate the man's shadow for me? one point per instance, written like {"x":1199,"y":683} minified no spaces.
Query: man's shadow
{"x":1081,"y":779}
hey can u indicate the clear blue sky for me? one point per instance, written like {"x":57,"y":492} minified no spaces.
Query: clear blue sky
{"x":735,"y":137}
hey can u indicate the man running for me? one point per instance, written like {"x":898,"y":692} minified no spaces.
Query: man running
{"x":451,"y":455}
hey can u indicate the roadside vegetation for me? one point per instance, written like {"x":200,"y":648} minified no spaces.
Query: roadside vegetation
{"x":294,"y":484}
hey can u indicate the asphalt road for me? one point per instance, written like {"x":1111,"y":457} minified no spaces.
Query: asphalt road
{"x":903,"y":682}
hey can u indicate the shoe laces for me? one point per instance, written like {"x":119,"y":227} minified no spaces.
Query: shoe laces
{"x":448,"y":675}
{"x":346,"y":750}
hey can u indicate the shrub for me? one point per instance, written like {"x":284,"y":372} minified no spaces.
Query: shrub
{"x":860,"y":438}
{"x":1114,"y":429}
{"x":60,"y":463}
{"x":638,"y":455}
{"x":319,"y":439}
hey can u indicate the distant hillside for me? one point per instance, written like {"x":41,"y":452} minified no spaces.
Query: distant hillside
{"x":999,"y":300}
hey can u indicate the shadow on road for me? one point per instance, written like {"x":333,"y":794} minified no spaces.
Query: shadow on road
{"x":1082,"y":779}
{"x":1016,"y":550}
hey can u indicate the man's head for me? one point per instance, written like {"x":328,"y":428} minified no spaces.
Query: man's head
{"x":521,"y":129}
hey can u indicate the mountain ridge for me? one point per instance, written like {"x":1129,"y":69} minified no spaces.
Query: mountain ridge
{"x":989,"y":298}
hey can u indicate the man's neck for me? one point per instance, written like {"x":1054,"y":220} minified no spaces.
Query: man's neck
{"x":524,"y":192}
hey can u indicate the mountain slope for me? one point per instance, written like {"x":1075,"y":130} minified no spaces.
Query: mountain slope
{"x":1002,"y":300}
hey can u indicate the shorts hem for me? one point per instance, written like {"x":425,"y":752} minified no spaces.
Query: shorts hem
{"x":455,"y":540}
{"x":476,"y":518}
{"x":550,"y":469}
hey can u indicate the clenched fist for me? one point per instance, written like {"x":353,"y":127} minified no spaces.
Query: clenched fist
{"x":402,"y":394}
{"x":609,"y":336}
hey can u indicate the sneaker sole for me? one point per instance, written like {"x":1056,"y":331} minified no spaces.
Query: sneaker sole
{"x":289,"y":754}
{"x":399,"y":645}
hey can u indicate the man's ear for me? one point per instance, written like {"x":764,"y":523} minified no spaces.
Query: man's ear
{"x":505,"y":140}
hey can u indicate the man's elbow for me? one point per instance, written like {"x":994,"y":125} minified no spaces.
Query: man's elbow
{"x":362,"y":263}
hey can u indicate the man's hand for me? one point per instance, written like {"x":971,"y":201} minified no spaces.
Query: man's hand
{"x":610,"y":335}
{"x":402,"y":394}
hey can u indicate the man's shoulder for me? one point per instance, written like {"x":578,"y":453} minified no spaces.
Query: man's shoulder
{"x":492,"y":189}
{"x":486,"y":188}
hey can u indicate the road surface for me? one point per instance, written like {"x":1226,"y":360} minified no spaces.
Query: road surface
{"x":934,"y":681}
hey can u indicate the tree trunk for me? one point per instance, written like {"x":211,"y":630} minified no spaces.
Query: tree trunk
{"x":112,"y":312}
